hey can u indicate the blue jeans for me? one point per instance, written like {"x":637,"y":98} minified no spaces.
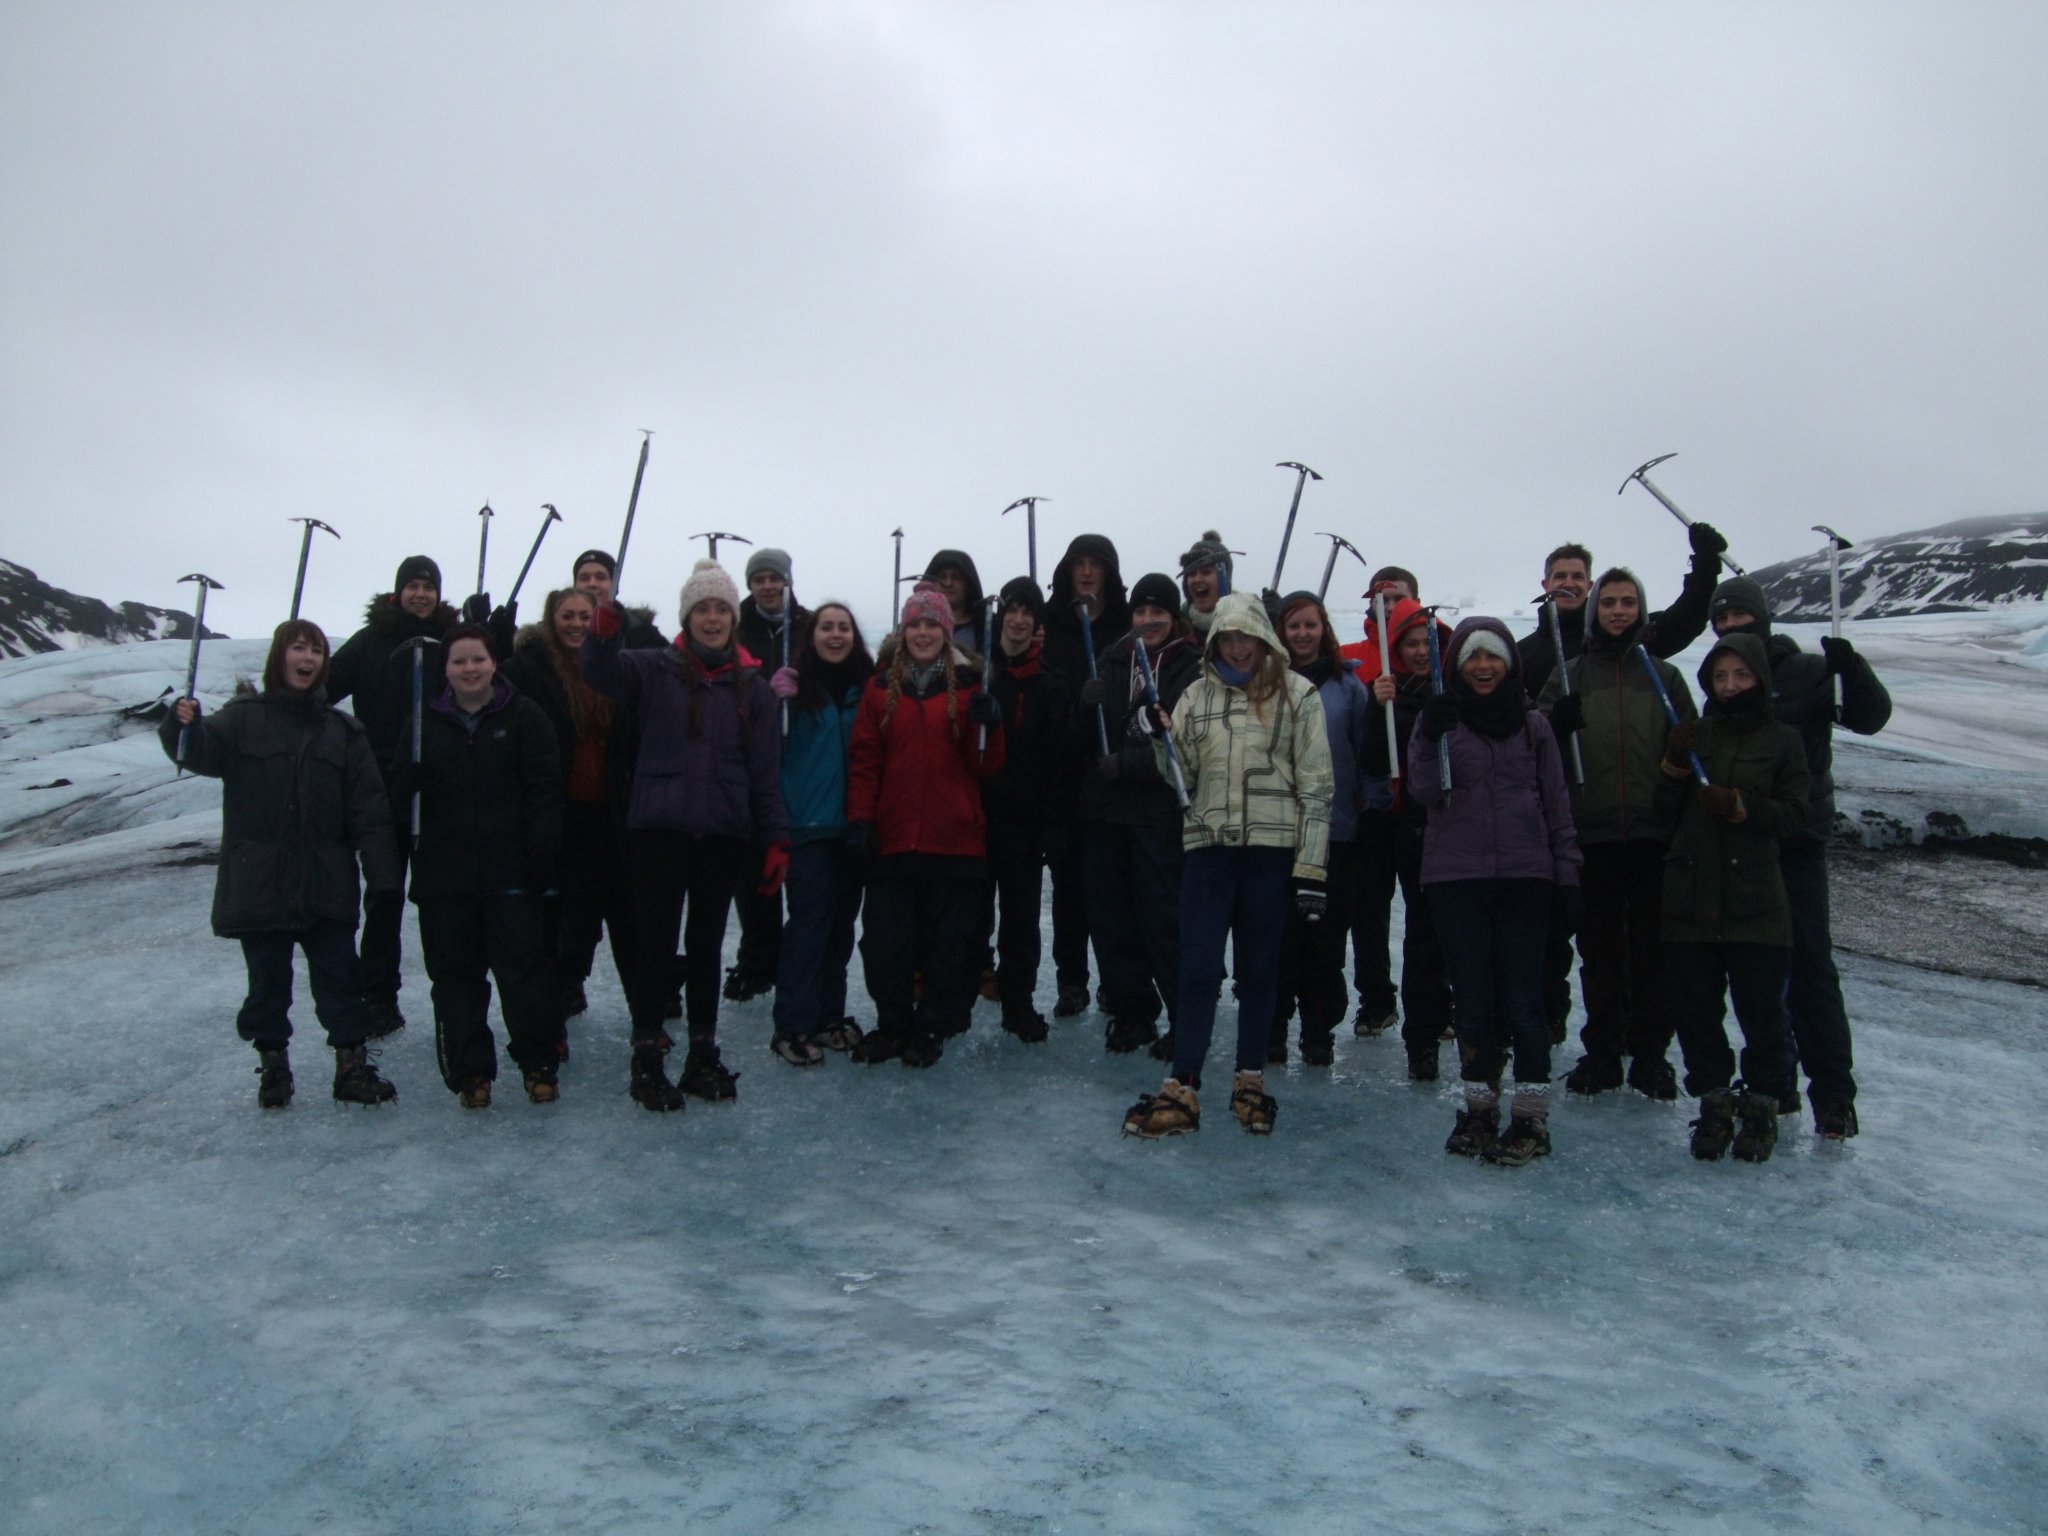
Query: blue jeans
{"x":822,"y":893}
{"x":1245,"y":895}
{"x":331,"y":968}
{"x":1493,"y":934}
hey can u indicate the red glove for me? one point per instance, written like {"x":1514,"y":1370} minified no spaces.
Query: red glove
{"x":774,"y":869}
{"x":607,"y":621}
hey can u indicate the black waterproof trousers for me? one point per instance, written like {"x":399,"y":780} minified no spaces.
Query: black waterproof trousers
{"x":1703,"y":978}
{"x":921,"y":904}
{"x":384,"y":916}
{"x":672,"y":870}
{"x":1016,"y":859}
{"x":1813,"y":1000}
{"x":1425,"y":984}
{"x":1069,"y":906}
{"x":1371,"y":921}
{"x":824,"y":891}
{"x":1312,"y":954}
{"x":1628,"y":1005}
{"x":760,"y":956}
{"x":331,"y":970}
{"x":467,"y":940}
{"x":1134,"y":879}
{"x":596,"y":894}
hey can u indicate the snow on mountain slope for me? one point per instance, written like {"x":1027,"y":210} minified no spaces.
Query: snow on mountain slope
{"x":36,"y":617}
{"x":1980,"y":562}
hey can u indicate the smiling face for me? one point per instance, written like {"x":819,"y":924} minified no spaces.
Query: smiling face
{"x":767,"y":588}
{"x":1238,"y":651}
{"x":1413,"y":649}
{"x":302,"y":663}
{"x":594,"y":581}
{"x":1618,"y":608}
{"x":1303,"y":634}
{"x":420,"y":598}
{"x":1568,"y":581}
{"x":1152,"y":623}
{"x":923,"y":640}
{"x":471,"y":672}
{"x":1204,"y":587}
{"x":832,"y":633}
{"x":1483,"y":670}
{"x":710,"y":623}
{"x":1730,"y":675}
{"x":1018,"y":628}
{"x":572,"y":621}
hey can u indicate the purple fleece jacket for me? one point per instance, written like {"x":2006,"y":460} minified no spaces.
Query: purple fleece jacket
{"x":718,"y":783}
{"x":1509,"y":816}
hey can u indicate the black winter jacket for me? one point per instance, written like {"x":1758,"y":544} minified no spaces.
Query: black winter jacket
{"x":1037,"y":707}
{"x":1139,"y":794}
{"x":1065,"y":649}
{"x":971,"y":633}
{"x":490,"y":798}
{"x":763,"y":640}
{"x":366,"y":669}
{"x":301,"y":802}
{"x":1803,"y":697}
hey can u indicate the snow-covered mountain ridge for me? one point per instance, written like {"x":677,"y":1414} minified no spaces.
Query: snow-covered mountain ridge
{"x":37,"y":617}
{"x":1980,"y":562}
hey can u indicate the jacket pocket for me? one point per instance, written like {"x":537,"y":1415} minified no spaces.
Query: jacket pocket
{"x":1754,"y":887}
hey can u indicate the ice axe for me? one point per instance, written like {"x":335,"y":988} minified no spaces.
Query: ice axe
{"x":1337,"y":542}
{"x":1030,"y":506}
{"x":1303,"y":474}
{"x":1642,"y":473}
{"x":305,"y":553}
{"x":1836,"y":544}
{"x":896,"y":586}
{"x":632,"y":505}
{"x":715,"y":539}
{"x":483,"y":545}
{"x":1641,"y":652}
{"x":1436,"y":685}
{"x":1548,"y":603}
{"x":418,"y":646}
{"x":206,"y":583}
{"x":1083,"y":607}
{"x":1379,"y":618}
{"x":546,"y":523}
{"x":1180,"y":778}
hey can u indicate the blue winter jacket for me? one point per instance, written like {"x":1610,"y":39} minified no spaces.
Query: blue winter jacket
{"x":1346,"y":705}
{"x":814,"y":768}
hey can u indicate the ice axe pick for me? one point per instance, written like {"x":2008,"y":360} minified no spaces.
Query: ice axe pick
{"x":305,"y":553}
{"x":1303,"y":474}
{"x":1337,"y":542}
{"x":1641,"y":473}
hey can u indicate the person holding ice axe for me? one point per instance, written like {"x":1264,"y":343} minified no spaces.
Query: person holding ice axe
{"x":771,"y":630}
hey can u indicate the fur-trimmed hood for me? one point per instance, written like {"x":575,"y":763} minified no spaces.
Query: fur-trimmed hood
{"x":383,"y":617}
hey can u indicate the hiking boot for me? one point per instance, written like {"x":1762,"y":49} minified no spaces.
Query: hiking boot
{"x":1594,"y":1074}
{"x":704,"y":1075}
{"x":1715,"y":1128}
{"x":1788,"y":1101}
{"x":1653,"y":1078}
{"x":1526,"y":1139}
{"x":921,"y":1048}
{"x":987,"y":985}
{"x":1072,"y":1001}
{"x":274,"y":1068}
{"x":1318,"y":1047}
{"x":1172,"y":1111}
{"x":1476,"y":1130}
{"x":1254,"y":1108}
{"x":385,"y":1019}
{"x":1422,"y":1064}
{"x":573,"y":999}
{"x":798,"y":1050}
{"x":1372,"y":1022}
{"x":1124,"y":1035}
{"x":474,"y":1094}
{"x":741,"y":986}
{"x":356,"y":1080}
{"x":1162,"y":1048}
{"x":1276,"y":1044}
{"x":1028,"y":1026}
{"x":1833,"y":1122}
{"x":541,"y":1085}
{"x":879,"y":1046}
{"x":1757,"y":1130}
{"x":843,"y":1036}
{"x":650,"y":1086}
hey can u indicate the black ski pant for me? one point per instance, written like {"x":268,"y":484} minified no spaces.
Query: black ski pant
{"x":384,"y":916}
{"x":824,"y":891}
{"x":672,"y":870}
{"x":1558,"y":957}
{"x":921,"y":903}
{"x":1493,"y":933}
{"x":1813,"y":999}
{"x":466,"y":941}
{"x":760,"y":956}
{"x":1628,"y":1005}
{"x":1703,"y":978}
{"x":1069,"y":906}
{"x":332,"y":971}
{"x":1377,"y":863}
{"x":1312,"y":954}
{"x":1425,"y":984}
{"x":1134,"y":882}
{"x":1016,"y":856}
{"x":596,"y":894}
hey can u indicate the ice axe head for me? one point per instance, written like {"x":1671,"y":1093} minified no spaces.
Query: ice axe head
{"x":1030,"y":503}
{"x":312,"y":523}
{"x":1834,"y":538}
{"x":1643,"y":469}
{"x":1302,"y":468}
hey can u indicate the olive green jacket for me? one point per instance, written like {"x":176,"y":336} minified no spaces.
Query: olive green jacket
{"x":1621,"y":745}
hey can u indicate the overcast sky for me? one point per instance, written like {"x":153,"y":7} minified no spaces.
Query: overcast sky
{"x":869,"y":264}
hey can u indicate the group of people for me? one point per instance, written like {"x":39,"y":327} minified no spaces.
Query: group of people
{"x":1214,"y":784}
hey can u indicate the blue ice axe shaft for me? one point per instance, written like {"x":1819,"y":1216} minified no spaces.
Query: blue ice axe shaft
{"x":1699,"y":770}
{"x":1088,"y":644}
{"x":1180,"y":781}
{"x":1436,"y":685}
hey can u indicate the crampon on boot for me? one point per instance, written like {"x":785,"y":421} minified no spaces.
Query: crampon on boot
{"x":650,"y":1086}
{"x":1072,"y":1001}
{"x":474,"y":1094}
{"x":1834,"y":1122}
{"x":1250,"y":1104}
{"x":1594,"y":1074}
{"x":921,"y":1048}
{"x":274,"y":1068}
{"x":841,"y":1036}
{"x":1127,"y":1033}
{"x":542,"y":1086}
{"x":1526,"y":1139}
{"x":1027,"y":1025}
{"x":1653,"y":1078}
{"x":356,"y":1080}
{"x":1172,"y":1111}
{"x":1715,"y":1128}
{"x":704,"y":1075}
{"x":1756,"y":1130}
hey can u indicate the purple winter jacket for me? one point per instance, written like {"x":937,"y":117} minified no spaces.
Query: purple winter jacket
{"x":714,"y":784}
{"x":1510,"y":813}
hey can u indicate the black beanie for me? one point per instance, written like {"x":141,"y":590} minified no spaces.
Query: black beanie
{"x":1022,"y":592}
{"x":416,"y":568}
{"x":1156,"y":590}
{"x":610,"y":565}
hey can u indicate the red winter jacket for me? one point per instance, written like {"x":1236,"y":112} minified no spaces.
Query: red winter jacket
{"x":912,"y":778}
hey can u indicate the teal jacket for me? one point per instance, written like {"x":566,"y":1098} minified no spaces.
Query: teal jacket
{"x":814,"y":768}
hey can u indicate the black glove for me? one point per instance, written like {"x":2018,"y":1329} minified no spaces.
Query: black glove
{"x":1680,"y":742}
{"x":1439,"y":714}
{"x":1574,"y":907}
{"x":1707,"y":542}
{"x":1095,"y":693}
{"x":1311,"y":901}
{"x":1107,"y":768}
{"x":1567,"y":715}
{"x":983,"y":709}
{"x":1841,"y":655}
{"x":1154,"y":721}
{"x":476,"y":608}
{"x":504,"y":627}
{"x":860,"y":838}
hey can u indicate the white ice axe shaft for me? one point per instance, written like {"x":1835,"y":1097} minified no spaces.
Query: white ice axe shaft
{"x":1379,"y":620}
{"x":1641,"y":473}
{"x":1836,"y":544}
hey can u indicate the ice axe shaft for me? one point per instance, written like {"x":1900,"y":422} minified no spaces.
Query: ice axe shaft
{"x":1564,"y":678}
{"x":546,"y":523}
{"x":1436,"y":685}
{"x":305,"y":554}
{"x":1081,"y":607}
{"x":206,"y":583}
{"x":896,"y":586}
{"x":418,"y":646}
{"x":1379,"y":622}
{"x":1699,"y":769}
{"x":1337,"y":542}
{"x":1030,"y":506}
{"x":483,"y":544}
{"x":1303,"y":474}
{"x":1836,"y":544}
{"x":1180,"y":779}
{"x":1641,"y":473}
{"x":632,"y":506}
{"x":788,"y":624}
